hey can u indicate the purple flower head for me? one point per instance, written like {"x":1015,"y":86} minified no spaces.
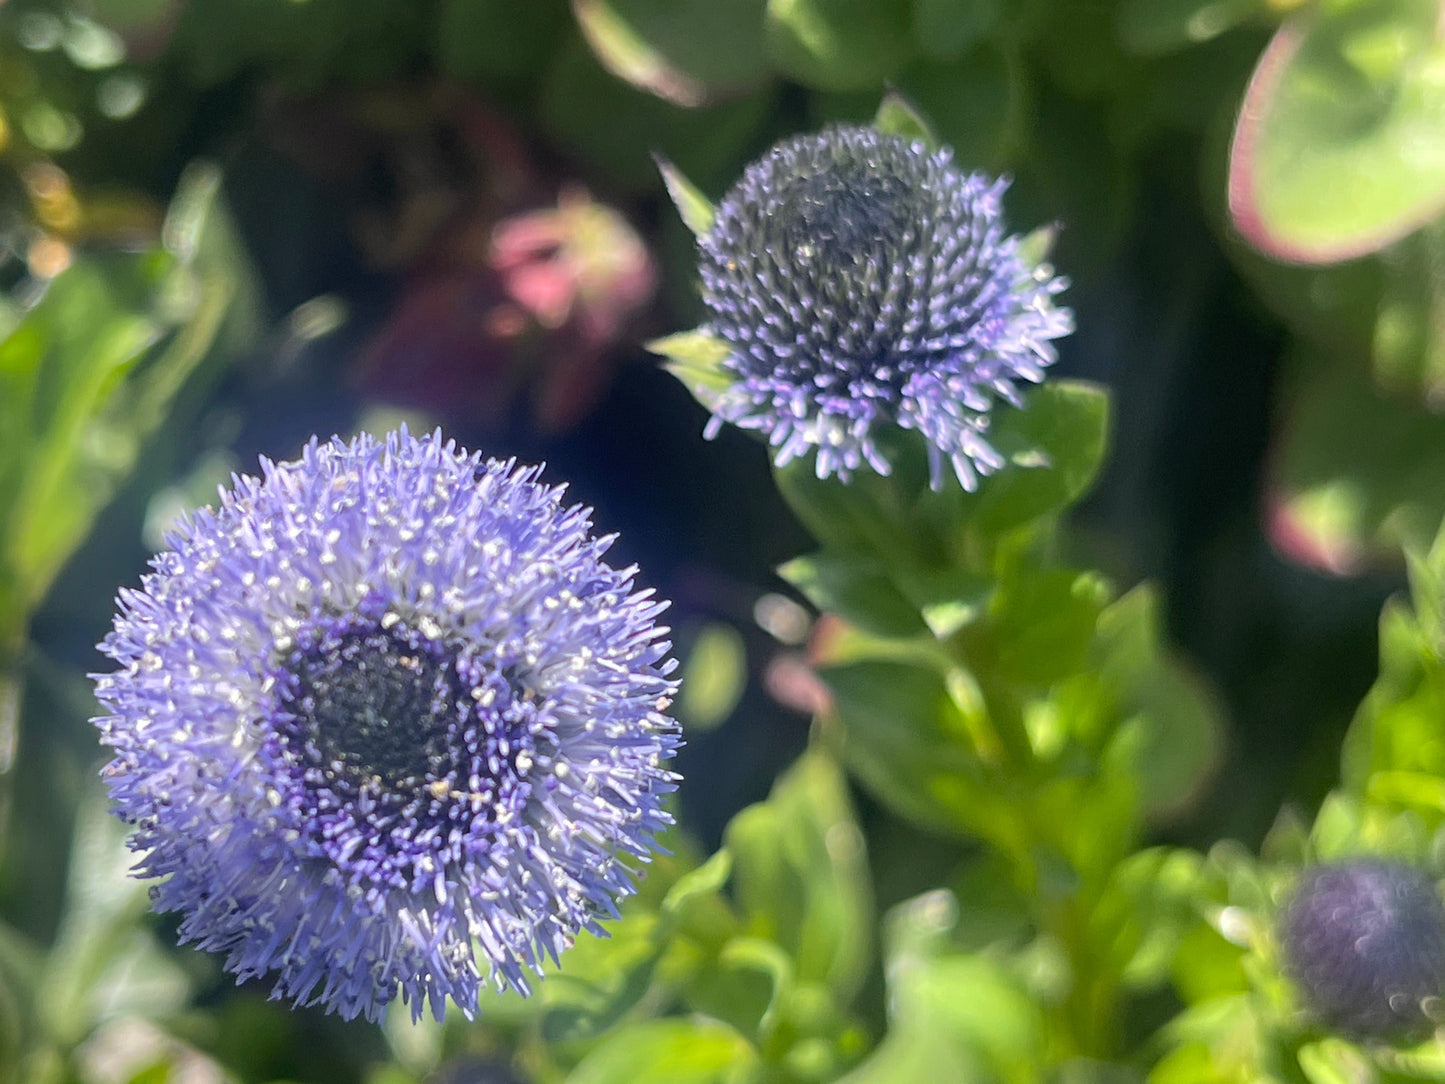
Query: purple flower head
{"x":1365,"y":943}
{"x":387,"y":723}
{"x":862,"y":280}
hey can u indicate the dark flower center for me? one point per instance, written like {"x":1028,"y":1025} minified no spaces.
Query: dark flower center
{"x":842,"y":264}
{"x":381,"y":706}
{"x":844,"y":210}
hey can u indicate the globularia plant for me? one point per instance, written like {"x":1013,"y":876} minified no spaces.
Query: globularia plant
{"x":857,"y":279}
{"x":386,"y":723}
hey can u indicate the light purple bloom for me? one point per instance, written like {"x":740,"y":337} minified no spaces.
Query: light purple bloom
{"x":387,"y":723}
{"x":862,"y":280}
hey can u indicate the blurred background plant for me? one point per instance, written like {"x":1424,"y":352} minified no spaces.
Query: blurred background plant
{"x":228,"y":225}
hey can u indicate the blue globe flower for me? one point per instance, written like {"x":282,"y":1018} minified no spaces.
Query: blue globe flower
{"x":861,"y":280}
{"x":1365,"y":943}
{"x":387,"y":723}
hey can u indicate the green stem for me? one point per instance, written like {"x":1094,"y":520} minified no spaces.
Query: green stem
{"x":12,"y":689}
{"x":1085,"y":1024}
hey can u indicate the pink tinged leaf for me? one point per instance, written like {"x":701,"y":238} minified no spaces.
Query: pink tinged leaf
{"x":1339,"y":148}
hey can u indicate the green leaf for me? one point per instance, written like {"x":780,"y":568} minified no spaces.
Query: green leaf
{"x":613,"y":127}
{"x":1392,"y":754}
{"x":910,"y":743}
{"x":104,"y":957}
{"x":94,"y":366}
{"x":918,"y":1054}
{"x":672,"y":1051}
{"x":697,"y":210}
{"x":599,"y":979}
{"x":1334,"y":1061}
{"x":669,"y":930}
{"x":714,"y":676}
{"x":856,"y":590}
{"x":1042,"y":622}
{"x":761,"y":957}
{"x":1340,"y":89}
{"x":800,"y":874}
{"x":1056,"y":445}
{"x":1153,"y":900}
{"x":88,"y":342}
{"x":1219,"y":1039}
{"x":1407,"y":345}
{"x":838,"y":44}
{"x":22,"y":966}
{"x":952,"y":1016}
{"x":689,"y":899}
{"x":898,"y":116}
{"x":1358,"y":473}
{"x":950,"y":599}
{"x":687,"y":51}
{"x":1036,"y":245}
{"x":867,"y":518}
{"x":696,"y":358}
{"x":707,"y":880}
{"x":1350,"y":825}
{"x":1171,"y":737}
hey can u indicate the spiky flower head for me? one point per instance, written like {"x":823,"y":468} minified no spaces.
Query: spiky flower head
{"x":1365,"y":943}
{"x":387,"y":723}
{"x":861,"y":280}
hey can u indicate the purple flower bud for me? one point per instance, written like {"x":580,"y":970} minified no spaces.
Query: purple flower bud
{"x":862,"y":280}
{"x":1365,"y":943}
{"x":387,"y":723}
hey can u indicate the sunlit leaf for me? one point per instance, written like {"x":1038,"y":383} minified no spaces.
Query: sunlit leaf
{"x":952,"y":1015}
{"x":686,"y":51}
{"x":898,"y":116}
{"x":1057,"y":443}
{"x":800,"y":873}
{"x":1152,"y":902}
{"x":614,"y":128}
{"x":696,"y":209}
{"x":1341,"y":89}
{"x":673,"y":1051}
{"x":94,"y":366}
{"x":908,"y":741}
{"x":1392,"y":755}
{"x":104,"y":960}
{"x":856,"y":590}
{"x":708,"y":879}
{"x":714,"y":676}
{"x":599,"y":979}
